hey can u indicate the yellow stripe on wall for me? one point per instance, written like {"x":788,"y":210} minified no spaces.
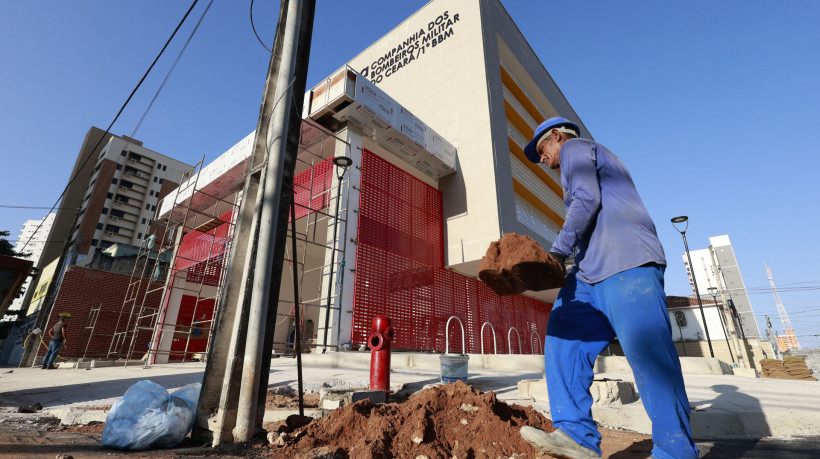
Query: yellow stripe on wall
{"x":519,"y":94}
{"x":535,"y":168}
{"x":539,"y":205}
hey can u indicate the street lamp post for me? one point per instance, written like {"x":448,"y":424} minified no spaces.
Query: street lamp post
{"x":714,"y":292}
{"x":341,"y":162}
{"x":685,"y":219}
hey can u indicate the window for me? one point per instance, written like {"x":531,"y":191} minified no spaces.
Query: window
{"x":122,"y":153}
{"x":153,"y":208}
{"x":121,"y":198}
{"x":109,"y":195}
{"x":139,"y":235}
{"x":117,"y":213}
{"x":119,"y":167}
{"x":112,"y":228}
{"x":134,"y":156}
{"x":94,"y":242}
{"x":151,"y":193}
{"x":99,"y":226}
{"x":105,"y":244}
{"x":148,"y":207}
{"x":126,"y":184}
{"x":105,"y":210}
{"x":159,"y":166}
{"x":160,"y":181}
{"x":130,"y":169}
{"x":143,"y":220}
{"x":163,"y":167}
{"x":114,"y":181}
{"x":155,"y":180}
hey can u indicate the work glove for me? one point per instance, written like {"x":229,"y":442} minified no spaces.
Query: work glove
{"x":561,"y":259}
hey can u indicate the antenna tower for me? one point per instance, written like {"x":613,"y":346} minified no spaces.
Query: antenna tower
{"x":789,"y":341}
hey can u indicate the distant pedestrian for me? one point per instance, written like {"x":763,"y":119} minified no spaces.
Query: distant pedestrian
{"x":57,"y":333}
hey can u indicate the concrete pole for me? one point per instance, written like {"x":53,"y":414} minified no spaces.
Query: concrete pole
{"x":277,"y":133}
{"x":740,"y":350}
{"x":218,"y":407}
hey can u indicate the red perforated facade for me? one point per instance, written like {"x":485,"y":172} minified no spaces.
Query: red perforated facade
{"x":400,"y":272}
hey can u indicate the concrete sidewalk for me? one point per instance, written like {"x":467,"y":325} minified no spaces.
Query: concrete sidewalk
{"x":726,"y":406}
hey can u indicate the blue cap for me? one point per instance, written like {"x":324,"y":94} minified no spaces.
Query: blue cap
{"x":555,"y":121}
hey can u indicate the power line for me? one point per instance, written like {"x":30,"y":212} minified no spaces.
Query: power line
{"x":168,"y":75}
{"x":6,"y":206}
{"x":71,"y":180}
{"x":255,"y":33}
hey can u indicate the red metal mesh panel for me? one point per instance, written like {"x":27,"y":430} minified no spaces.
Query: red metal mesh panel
{"x":208,"y":272}
{"x":197,"y":246}
{"x":399,"y":272}
{"x":312,"y":187}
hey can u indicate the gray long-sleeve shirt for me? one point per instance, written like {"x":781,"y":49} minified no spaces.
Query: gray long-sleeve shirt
{"x":606,"y":220}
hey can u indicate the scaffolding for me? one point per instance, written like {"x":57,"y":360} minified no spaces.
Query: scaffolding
{"x":320,"y":260}
{"x":189,"y":257}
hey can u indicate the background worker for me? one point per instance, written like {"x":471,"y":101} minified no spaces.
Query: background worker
{"x":615,"y":288}
{"x":57,"y":333}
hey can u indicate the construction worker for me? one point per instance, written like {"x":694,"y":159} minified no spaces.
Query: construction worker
{"x":614,"y":289}
{"x":58,"y":338}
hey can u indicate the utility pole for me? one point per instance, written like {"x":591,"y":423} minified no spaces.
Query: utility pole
{"x":232,"y":402}
{"x":772,"y":338}
{"x":740,"y":348}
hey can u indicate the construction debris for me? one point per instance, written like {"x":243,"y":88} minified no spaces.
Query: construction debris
{"x":516,"y":263}
{"x":452,"y":420}
{"x":791,"y":367}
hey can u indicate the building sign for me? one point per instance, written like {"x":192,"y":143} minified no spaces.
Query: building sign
{"x":412,"y":48}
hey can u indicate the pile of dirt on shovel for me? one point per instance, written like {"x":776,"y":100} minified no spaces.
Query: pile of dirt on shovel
{"x":452,"y":420}
{"x":516,"y":263}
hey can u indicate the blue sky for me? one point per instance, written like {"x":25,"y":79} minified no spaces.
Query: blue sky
{"x":712,"y":105}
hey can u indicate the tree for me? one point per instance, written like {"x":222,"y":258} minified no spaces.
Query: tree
{"x":6,"y":248}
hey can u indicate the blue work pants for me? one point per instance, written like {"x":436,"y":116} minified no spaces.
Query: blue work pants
{"x":584,"y":320}
{"x":51,"y":354}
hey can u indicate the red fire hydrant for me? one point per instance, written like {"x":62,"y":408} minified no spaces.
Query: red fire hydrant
{"x":381,"y":337}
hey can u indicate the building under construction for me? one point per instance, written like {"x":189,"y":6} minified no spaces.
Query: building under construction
{"x":438,"y":172}
{"x":434,"y":117}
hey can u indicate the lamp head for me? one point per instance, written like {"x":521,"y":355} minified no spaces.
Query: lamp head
{"x":713,"y":291}
{"x":342,"y":161}
{"x":681,"y":219}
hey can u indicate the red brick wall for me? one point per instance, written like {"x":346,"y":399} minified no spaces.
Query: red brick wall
{"x":84,"y":289}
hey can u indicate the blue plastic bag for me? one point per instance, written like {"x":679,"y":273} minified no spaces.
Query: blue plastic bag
{"x":147,"y":416}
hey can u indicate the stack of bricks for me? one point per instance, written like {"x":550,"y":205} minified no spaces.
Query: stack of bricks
{"x":791,"y":367}
{"x":796,"y":367}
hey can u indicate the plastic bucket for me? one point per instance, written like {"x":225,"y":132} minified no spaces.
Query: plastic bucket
{"x":453,"y":367}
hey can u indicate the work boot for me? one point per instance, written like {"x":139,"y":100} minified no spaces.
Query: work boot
{"x":44,"y":367}
{"x":52,"y":367}
{"x":557,"y":444}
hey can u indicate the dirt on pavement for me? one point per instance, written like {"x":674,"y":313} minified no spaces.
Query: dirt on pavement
{"x":452,"y":420}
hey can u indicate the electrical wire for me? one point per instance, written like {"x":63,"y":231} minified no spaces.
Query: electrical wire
{"x":255,"y":33}
{"x":71,"y":180}
{"x":168,"y":75}
{"x":6,"y":206}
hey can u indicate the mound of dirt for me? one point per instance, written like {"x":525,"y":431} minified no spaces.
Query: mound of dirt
{"x":452,"y":420}
{"x":516,"y":263}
